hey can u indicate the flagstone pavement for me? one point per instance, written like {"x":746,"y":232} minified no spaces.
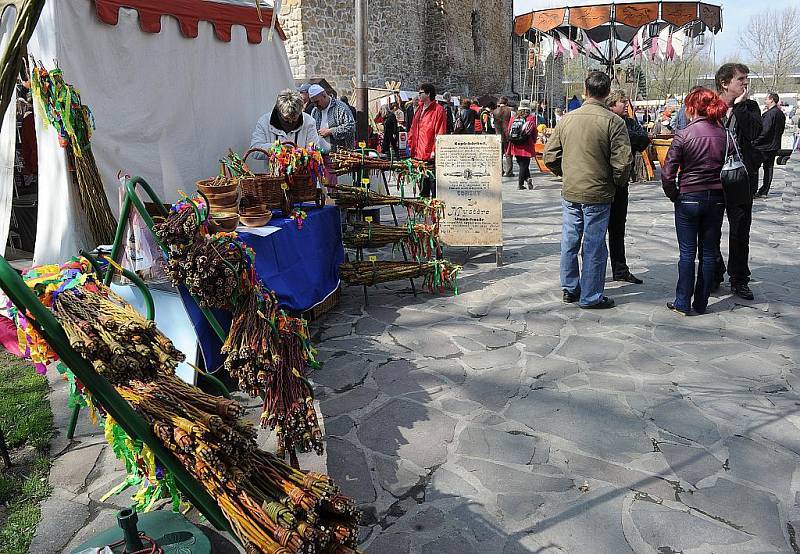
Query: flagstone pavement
{"x":502,"y":420}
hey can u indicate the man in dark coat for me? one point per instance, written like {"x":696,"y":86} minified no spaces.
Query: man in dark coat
{"x":502,"y":117}
{"x":617,"y":102}
{"x":447,"y":104}
{"x":773,"y":123}
{"x":744,"y":119}
{"x":468,"y":117}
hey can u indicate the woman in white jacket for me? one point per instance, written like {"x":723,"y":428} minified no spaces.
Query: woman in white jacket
{"x":286,"y":122}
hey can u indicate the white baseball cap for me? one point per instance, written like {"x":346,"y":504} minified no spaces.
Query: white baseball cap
{"x":315,"y":90}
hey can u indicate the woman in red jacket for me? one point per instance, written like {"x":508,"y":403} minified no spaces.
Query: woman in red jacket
{"x":522,"y":142}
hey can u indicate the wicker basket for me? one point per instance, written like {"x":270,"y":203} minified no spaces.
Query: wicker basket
{"x":264,"y":189}
{"x":302,"y":188}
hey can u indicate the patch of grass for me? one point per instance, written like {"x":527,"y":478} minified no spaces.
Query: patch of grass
{"x":23,"y":512}
{"x":27,"y":422}
{"x":25,"y":415}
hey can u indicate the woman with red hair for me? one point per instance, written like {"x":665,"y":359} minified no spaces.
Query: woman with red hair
{"x":691,"y":179}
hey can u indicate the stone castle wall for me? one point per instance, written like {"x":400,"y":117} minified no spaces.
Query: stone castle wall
{"x":464,"y":47}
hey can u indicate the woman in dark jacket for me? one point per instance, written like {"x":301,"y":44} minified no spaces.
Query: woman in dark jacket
{"x":391,"y":133}
{"x":699,"y":152}
{"x":467,"y":116}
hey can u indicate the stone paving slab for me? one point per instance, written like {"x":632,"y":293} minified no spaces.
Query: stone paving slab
{"x":503,"y":420}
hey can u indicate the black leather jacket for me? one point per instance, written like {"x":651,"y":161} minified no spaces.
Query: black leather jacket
{"x":747,"y":129}
{"x":773,"y":123}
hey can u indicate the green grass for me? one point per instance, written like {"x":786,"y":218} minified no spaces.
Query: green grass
{"x":27,"y":421}
{"x":25,"y":414}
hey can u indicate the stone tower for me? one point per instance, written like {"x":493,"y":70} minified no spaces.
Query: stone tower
{"x":460,"y":46}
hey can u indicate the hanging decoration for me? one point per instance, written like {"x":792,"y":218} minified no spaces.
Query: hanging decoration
{"x":61,"y":107}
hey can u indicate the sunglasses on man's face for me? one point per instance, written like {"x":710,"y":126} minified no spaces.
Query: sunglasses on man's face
{"x":422,"y":92}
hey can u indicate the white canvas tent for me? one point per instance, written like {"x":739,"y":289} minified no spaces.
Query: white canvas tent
{"x":167,"y":106}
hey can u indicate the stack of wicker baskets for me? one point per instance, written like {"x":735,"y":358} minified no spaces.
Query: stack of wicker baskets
{"x":223,"y":203}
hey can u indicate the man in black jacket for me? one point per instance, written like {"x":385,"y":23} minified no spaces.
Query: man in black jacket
{"x":447,"y":104}
{"x":617,"y":102}
{"x":773,"y":123}
{"x":744,"y":119}
{"x":467,"y":116}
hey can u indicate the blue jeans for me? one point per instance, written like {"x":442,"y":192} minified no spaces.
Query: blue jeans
{"x":698,"y":225}
{"x":587,"y":224}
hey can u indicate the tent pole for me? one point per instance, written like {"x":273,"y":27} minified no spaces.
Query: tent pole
{"x":362,"y":94}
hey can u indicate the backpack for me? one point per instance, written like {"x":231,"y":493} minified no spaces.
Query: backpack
{"x":478,"y":123}
{"x":458,"y":124}
{"x":518,"y":134}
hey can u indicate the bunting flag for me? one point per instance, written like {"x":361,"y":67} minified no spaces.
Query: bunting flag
{"x":670,"y":49}
{"x":567,"y":46}
{"x":558,"y":47}
{"x":679,"y":42}
{"x":654,"y":47}
{"x":589,"y":45}
{"x":638,"y":43}
{"x":545,"y":47}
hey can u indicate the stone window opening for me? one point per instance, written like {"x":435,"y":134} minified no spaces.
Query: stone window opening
{"x":476,"y":33}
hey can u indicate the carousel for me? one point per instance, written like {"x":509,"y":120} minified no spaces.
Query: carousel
{"x":618,"y":38}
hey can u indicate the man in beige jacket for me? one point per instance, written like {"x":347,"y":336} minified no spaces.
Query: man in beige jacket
{"x":590,"y":149}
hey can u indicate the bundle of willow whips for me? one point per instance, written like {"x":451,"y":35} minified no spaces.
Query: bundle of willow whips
{"x":421,"y":239}
{"x":439,"y":274}
{"x":266,"y":351}
{"x":271,"y":507}
{"x":369,"y":235}
{"x":360,"y":197}
{"x":355,"y":161}
{"x":210,"y":266}
{"x":105,"y":329}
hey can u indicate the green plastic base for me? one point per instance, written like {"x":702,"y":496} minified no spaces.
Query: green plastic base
{"x":174,"y":534}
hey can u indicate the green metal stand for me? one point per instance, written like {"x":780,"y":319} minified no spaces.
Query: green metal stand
{"x":136,"y":427}
{"x":132,"y":199}
{"x":172,"y":532}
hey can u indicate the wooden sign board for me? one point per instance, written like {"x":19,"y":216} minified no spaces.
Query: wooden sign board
{"x":469,"y":182}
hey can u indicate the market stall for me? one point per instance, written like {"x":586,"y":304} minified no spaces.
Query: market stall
{"x":157,"y":77}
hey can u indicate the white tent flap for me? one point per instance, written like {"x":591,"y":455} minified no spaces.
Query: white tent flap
{"x":166,"y":107}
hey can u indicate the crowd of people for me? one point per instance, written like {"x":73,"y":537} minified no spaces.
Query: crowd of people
{"x":720,"y":141}
{"x":711,"y":169}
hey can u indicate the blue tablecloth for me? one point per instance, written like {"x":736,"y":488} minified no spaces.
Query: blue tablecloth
{"x":300,"y":265}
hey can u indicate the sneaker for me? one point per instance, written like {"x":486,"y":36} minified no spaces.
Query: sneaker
{"x":742,"y":291}
{"x":521,"y":187}
{"x":671,"y":306}
{"x":530,"y":184}
{"x":509,"y":175}
{"x":569,"y":298}
{"x":604,"y":304}
{"x":629,"y":278}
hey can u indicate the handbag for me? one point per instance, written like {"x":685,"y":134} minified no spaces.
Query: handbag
{"x":734,"y":176}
